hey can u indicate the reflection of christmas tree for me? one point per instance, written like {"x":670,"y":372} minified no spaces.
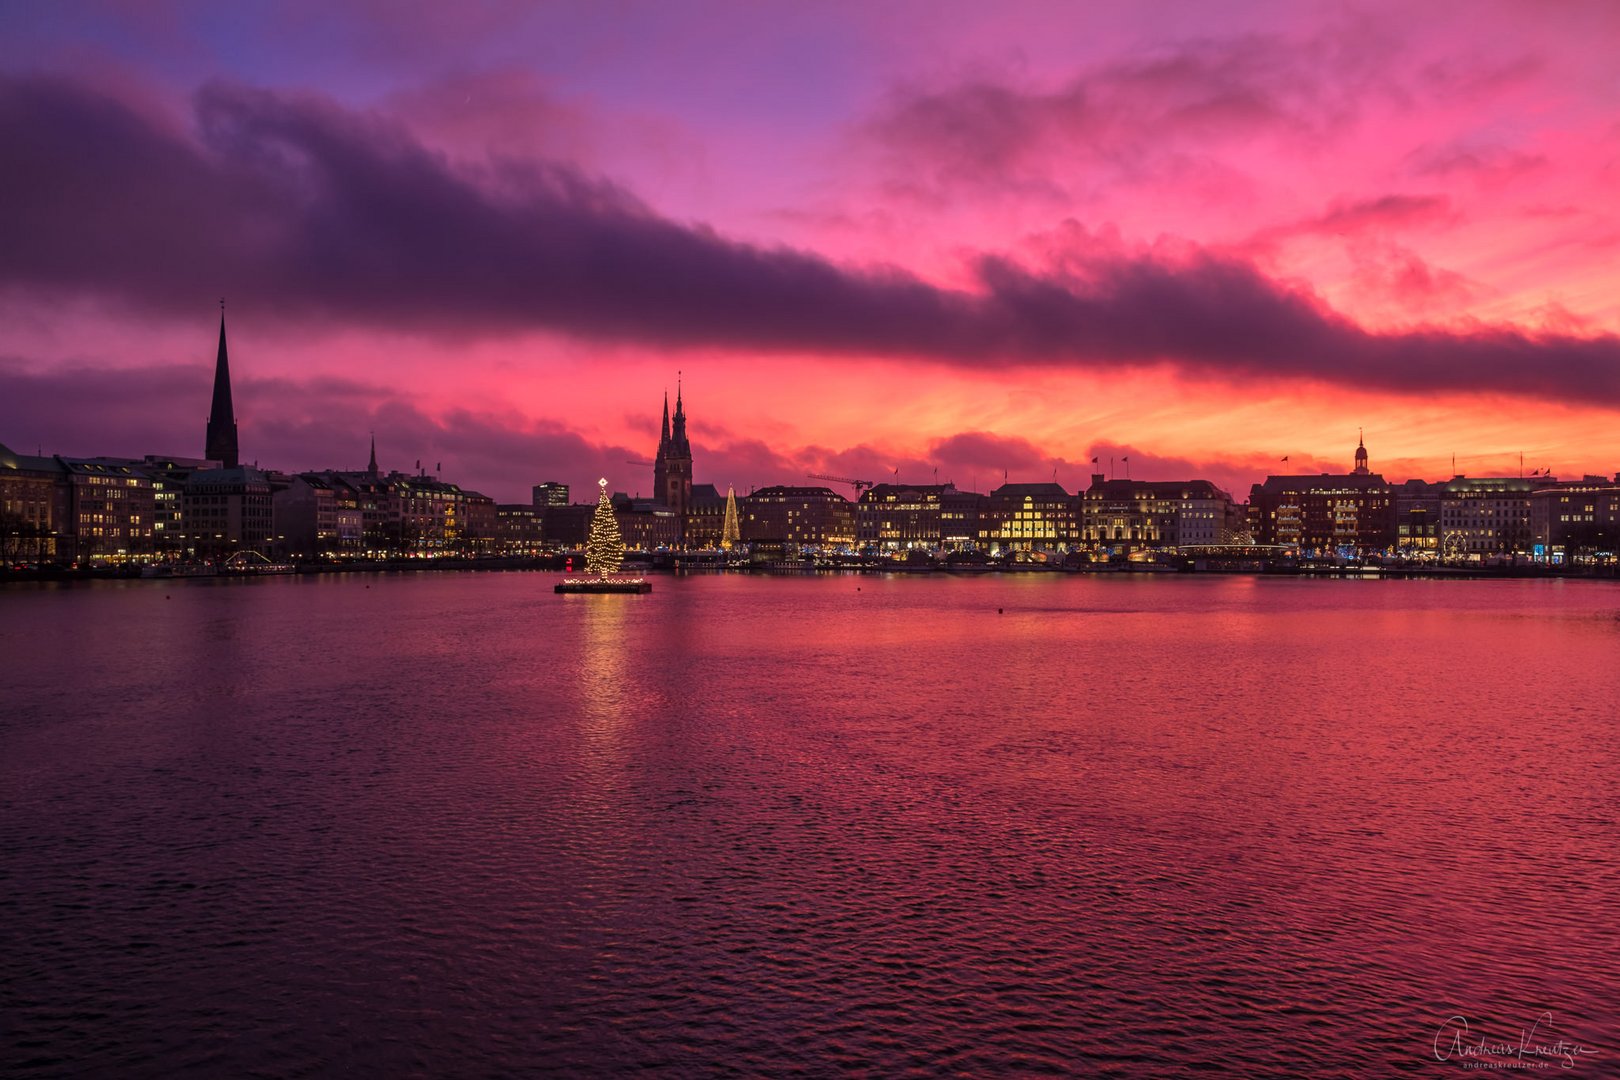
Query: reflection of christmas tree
{"x":604,"y":550}
{"x":730,"y":534}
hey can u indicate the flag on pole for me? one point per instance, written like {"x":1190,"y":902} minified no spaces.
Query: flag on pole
{"x":1285,"y":457}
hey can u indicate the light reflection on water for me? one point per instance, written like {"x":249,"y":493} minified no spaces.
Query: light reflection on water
{"x":455,"y":824}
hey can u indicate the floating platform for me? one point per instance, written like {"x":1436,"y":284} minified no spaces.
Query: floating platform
{"x":605,"y":585}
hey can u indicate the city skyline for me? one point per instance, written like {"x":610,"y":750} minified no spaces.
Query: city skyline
{"x":1204,"y":241}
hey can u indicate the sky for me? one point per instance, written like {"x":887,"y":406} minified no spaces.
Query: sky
{"x":946,"y":241}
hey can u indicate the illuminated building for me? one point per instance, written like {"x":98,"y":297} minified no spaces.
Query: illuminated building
{"x":1121,"y":516}
{"x":519,"y":529}
{"x":551,"y":493}
{"x":1347,"y":514}
{"x":1577,"y":518}
{"x":1029,"y":517}
{"x":1487,"y":516}
{"x":28,"y":487}
{"x":1417,"y":518}
{"x":892,"y":518}
{"x":108,"y":511}
{"x":796,"y":517}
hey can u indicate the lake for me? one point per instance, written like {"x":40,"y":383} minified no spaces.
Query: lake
{"x":453,"y":824}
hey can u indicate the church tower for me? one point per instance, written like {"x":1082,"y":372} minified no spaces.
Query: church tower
{"x":1361,"y":455}
{"x":221,"y":439}
{"x":672,"y":471}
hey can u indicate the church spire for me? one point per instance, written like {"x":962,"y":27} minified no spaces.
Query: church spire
{"x":1361,"y":453}
{"x":663,"y":440}
{"x":220,"y":444}
{"x":678,"y":444}
{"x":372,"y":467}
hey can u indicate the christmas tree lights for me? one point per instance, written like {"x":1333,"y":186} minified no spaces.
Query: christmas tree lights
{"x":604,"y":549}
{"x":730,"y":533}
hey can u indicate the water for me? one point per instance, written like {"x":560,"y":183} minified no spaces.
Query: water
{"x":456,"y":825}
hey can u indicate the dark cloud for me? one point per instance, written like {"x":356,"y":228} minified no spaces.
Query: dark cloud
{"x":322,"y":213}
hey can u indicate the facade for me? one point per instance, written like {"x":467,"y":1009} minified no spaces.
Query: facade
{"x":895,"y":518}
{"x":705,"y":522}
{"x":429,"y":513}
{"x":519,"y":529}
{"x":306,"y":516}
{"x":227,"y":511}
{"x":567,"y":527}
{"x":962,"y":519}
{"x":551,"y":493}
{"x":28,"y":500}
{"x":1417,"y":519}
{"x":1350,"y":514}
{"x":1030,"y":517}
{"x":1119,"y":517}
{"x":796,"y":517}
{"x":1577,"y":519}
{"x":478,"y":523}
{"x":646,"y":524}
{"x":1329,"y":514}
{"x":106,"y":510}
{"x":1487,"y":517}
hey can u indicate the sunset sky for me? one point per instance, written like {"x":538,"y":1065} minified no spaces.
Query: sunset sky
{"x":982,"y":239}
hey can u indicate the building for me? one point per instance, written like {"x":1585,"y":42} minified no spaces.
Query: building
{"x":1118,"y":517}
{"x":1331,"y":514}
{"x":431,"y":513}
{"x":220,"y":443}
{"x":672,"y":470}
{"x":28,"y":499}
{"x":1488,"y":517}
{"x":796,"y":518}
{"x":478,"y":523}
{"x":228,"y":511}
{"x":1029,"y":517}
{"x":1577,"y":519}
{"x":567,"y":527}
{"x":646,"y":524}
{"x":705,"y":522}
{"x":896,"y":518}
{"x":551,"y":493}
{"x":306,"y":516}
{"x":519,"y":529}
{"x":1417,"y":519}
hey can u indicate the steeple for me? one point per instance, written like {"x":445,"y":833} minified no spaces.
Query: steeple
{"x":680,"y":447}
{"x":221,"y":439}
{"x":372,"y":467}
{"x":663,"y":440}
{"x":1361,"y":453}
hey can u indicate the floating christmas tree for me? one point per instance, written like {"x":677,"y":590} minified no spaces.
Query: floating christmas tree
{"x":604,"y":550}
{"x":604,"y":554}
{"x":730,"y":534}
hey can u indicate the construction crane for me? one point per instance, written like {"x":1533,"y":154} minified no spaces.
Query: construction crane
{"x":858,"y":485}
